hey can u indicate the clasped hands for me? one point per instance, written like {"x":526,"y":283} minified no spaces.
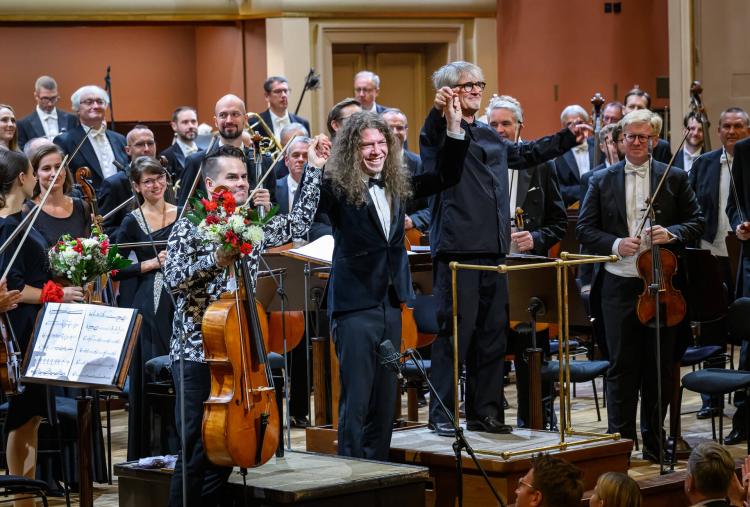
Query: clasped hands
{"x":631,"y":246}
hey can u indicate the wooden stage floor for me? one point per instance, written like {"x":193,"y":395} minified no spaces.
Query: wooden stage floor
{"x":584,"y":419}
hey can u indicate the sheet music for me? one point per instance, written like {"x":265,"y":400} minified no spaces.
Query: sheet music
{"x":320,"y":250}
{"x":80,"y":343}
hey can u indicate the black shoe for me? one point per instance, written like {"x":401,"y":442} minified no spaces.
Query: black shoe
{"x":653,"y":457}
{"x":443,"y":429}
{"x":735,"y":437}
{"x":708,"y":412}
{"x":300,"y":422}
{"x":489,"y":424}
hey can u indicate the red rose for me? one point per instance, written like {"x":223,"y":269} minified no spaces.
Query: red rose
{"x":79,"y":246}
{"x":230,"y":204}
{"x":104,"y":246}
{"x":210,"y":205}
{"x":246,"y":248}
{"x":52,"y":293}
{"x":114,"y":272}
{"x":231,"y":238}
{"x":212,"y":219}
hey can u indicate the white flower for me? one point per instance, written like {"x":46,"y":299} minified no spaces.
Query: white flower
{"x":89,"y":242}
{"x":253,"y":234}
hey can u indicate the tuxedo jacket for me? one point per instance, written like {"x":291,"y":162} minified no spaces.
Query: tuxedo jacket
{"x":705,"y":178}
{"x":193,"y":165}
{"x":86,"y":156}
{"x":741,"y":177}
{"x":662,"y":152}
{"x":679,"y":158}
{"x":111,"y":193}
{"x":30,"y":126}
{"x":266,"y":115}
{"x":365,"y":261}
{"x":545,"y":216}
{"x":175,"y":160}
{"x":603,"y":215}
{"x":569,"y":175}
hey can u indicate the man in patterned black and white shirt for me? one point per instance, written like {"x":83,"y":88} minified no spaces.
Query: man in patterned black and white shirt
{"x":198,"y":272}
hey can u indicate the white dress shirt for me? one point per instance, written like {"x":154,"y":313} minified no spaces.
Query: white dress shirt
{"x":292,"y":186}
{"x":103,"y":151}
{"x":718,"y":246}
{"x":278,"y":123}
{"x":636,"y":192}
{"x":187,"y":149}
{"x":49,"y":122}
{"x":581,"y":153}
{"x":688,"y":159}
{"x":382,"y":206}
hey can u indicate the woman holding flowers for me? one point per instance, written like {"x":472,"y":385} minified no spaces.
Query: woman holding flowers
{"x":153,"y":219}
{"x":61,"y":214}
{"x":29,"y":274}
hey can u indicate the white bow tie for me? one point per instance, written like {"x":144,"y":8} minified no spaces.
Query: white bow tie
{"x":639,"y":170}
{"x":581,"y":148}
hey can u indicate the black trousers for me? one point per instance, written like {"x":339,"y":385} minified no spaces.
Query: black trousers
{"x":368,"y":390}
{"x":482,"y":338}
{"x":633,"y":367}
{"x":204,"y":479}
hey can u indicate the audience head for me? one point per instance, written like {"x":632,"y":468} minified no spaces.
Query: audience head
{"x":45,"y":93}
{"x":366,"y":88}
{"x":46,"y":160}
{"x":573,"y":115}
{"x":149,"y":178}
{"x":34,"y":144}
{"x":140,"y":142}
{"x":230,"y":117}
{"x":185,"y":124}
{"x":294,"y":129}
{"x":8,"y":129}
{"x":15,"y":172}
{"x":709,"y":472}
{"x":636,"y":99}
{"x":90,"y":103}
{"x":226,"y":167}
{"x":295,"y":157}
{"x":464,"y":78}
{"x":551,"y":482}
{"x":639,"y":129}
{"x":733,"y":127}
{"x":505,"y":115}
{"x":615,"y":489}
{"x":396,"y":121}
{"x":365,"y":147}
{"x":612,"y":113}
{"x":340,"y":112}
{"x":276,"y":91}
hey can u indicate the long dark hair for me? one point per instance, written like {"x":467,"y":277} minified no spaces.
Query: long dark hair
{"x":12,"y":164}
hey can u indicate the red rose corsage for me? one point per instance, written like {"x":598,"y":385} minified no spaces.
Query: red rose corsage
{"x":52,"y":293}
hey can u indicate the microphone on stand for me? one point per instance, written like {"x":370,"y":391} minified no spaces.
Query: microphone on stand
{"x":391,"y":358}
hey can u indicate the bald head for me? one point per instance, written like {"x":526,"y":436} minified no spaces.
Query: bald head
{"x":141,"y":142}
{"x":230,"y":118}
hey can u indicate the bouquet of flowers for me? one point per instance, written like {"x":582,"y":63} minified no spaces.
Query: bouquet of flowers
{"x":221,"y":222}
{"x":82,"y":260}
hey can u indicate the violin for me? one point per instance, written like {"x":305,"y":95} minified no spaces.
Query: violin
{"x":10,"y":363}
{"x":656,"y":267}
{"x":82,"y":176}
{"x":240,"y":418}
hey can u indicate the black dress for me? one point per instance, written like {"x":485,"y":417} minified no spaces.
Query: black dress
{"x":78,"y":224}
{"x":30,"y":267}
{"x":150,"y":431}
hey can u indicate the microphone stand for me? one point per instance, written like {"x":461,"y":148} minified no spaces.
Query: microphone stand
{"x":312,"y":82}
{"x":460,"y":443}
{"x":108,"y":89}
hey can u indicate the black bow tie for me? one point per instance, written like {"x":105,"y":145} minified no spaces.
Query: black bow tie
{"x":375,"y":181}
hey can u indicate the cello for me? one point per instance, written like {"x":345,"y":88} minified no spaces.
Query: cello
{"x":240,"y":418}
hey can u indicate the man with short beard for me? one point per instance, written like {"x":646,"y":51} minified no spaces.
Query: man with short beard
{"x":364,"y":191}
{"x":185,"y":126}
{"x":230,"y":118}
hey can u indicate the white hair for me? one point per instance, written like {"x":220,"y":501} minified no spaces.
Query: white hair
{"x":506,"y":102}
{"x":450,"y":74}
{"x":75,"y":99}
{"x":368,"y":75}
{"x":573,"y":110}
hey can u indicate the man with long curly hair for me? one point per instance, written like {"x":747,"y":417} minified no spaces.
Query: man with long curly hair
{"x":364,"y":191}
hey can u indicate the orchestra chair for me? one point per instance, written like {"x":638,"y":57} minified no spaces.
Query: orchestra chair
{"x":580,"y":371}
{"x":12,"y":485}
{"x":718,"y":381}
{"x":425,"y":316}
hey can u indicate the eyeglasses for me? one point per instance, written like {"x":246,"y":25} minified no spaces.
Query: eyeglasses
{"x":364,"y":90}
{"x":467,"y":87}
{"x":150,"y":182}
{"x":49,"y":99}
{"x":91,"y":102}
{"x":632,"y":137}
{"x":522,"y":482}
{"x":281,"y":91}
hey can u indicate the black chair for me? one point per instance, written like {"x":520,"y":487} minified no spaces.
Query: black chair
{"x":17,"y":487}
{"x":425,"y":317}
{"x":718,"y":382}
{"x":580,"y":371}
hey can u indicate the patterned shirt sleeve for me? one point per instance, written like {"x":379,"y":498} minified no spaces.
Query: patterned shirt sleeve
{"x":283,"y":227}
{"x":188,"y":260}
